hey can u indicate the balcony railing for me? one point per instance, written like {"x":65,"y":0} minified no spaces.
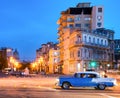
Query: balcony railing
{"x":89,"y":44}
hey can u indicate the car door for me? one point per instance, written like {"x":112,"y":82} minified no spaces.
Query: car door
{"x":81,"y":80}
{"x":90,"y":79}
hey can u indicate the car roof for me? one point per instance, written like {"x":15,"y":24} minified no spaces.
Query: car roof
{"x":89,"y":72}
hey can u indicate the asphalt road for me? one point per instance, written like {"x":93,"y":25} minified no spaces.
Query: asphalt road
{"x":43,"y":87}
{"x":44,"y":92}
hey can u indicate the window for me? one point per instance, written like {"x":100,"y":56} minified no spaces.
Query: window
{"x":87,"y":25}
{"x":97,"y":41}
{"x":77,"y":25}
{"x":92,"y":76}
{"x":87,"y":18}
{"x":78,"y":53}
{"x":70,"y":20}
{"x":85,"y":39}
{"x":105,"y":42}
{"x":90,"y":39}
{"x":70,"y":25}
{"x":101,"y":42}
{"x":93,"y":40}
{"x":99,"y":24}
{"x":77,"y":19}
{"x":82,"y":75}
{"x":100,"y":10}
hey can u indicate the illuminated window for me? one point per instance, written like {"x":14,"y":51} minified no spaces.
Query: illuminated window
{"x":87,"y":18}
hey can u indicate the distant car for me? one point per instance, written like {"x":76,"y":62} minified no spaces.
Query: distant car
{"x":6,"y":70}
{"x":85,"y":79}
{"x":16,"y":73}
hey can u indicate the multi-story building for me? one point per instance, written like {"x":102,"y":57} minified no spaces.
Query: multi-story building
{"x":54,"y":58}
{"x":5,"y":54}
{"x":43,"y":54}
{"x":117,"y":52}
{"x":83,"y":41}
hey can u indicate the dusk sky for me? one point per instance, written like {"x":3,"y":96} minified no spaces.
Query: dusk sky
{"x":26,"y":24}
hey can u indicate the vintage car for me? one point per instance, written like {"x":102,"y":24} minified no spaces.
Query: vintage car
{"x":85,"y":79}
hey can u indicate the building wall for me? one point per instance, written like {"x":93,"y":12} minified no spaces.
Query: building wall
{"x":97,"y":17}
{"x":54,"y":58}
{"x":83,"y":40}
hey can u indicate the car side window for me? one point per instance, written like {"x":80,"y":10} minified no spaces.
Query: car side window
{"x":92,"y":76}
{"x":82,"y":75}
{"x":77,"y":75}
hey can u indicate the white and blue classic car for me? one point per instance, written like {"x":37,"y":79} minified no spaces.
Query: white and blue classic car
{"x":85,"y":79}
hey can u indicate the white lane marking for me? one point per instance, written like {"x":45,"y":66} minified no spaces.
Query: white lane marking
{"x":105,"y":95}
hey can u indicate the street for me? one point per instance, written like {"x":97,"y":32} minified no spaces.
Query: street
{"x":43,"y":87}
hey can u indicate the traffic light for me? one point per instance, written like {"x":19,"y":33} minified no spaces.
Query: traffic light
{"x":93,"y":64}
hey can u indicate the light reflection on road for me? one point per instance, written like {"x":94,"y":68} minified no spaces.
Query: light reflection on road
{"x":43,"y":87}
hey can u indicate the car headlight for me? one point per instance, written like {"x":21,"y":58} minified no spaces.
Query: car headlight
{"x":115,"y":82}
{"x":57,"y":80}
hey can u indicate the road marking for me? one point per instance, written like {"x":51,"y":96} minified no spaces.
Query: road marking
{"x":107,"y":96}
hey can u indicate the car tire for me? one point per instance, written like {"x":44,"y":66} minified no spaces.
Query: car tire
{"x":66,"y":85}
{"x":101,"y":86}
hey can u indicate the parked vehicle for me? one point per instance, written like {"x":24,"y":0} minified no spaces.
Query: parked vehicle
{"x":6,"y":70}
{"x":85,"y":79}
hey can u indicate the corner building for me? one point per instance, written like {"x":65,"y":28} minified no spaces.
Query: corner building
{"x":83,"y":41}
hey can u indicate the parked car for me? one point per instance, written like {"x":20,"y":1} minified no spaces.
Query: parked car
{"x":6,"y":70}
{"x":17,"y":73}
{"x":85,"y":79}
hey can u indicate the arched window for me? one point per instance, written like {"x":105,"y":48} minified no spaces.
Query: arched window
{"x":78,"y":38}
{"x":90,"y":39}
{"x":101,"y":42}
{"x":85,"y":38}
{"x":78,"y":53}
{"x":93,"y":40}
{"x":105,"y":43}
{"x":98,"y":41}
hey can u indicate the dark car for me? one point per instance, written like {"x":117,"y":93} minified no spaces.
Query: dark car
{"x":16,"y":73}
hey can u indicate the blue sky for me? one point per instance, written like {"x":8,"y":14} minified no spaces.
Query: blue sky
{"x":26,"y":24}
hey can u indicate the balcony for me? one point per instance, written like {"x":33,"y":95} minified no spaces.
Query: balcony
{"x":82,"y":43}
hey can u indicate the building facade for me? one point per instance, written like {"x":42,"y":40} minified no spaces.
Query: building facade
{"x":117,"y":53}
{"x":42,"y":55}
{"x":54,"y":58}
{"x":83,"y":41}
{"x":5,"y":54}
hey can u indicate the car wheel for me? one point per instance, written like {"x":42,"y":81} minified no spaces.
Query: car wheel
{"x":101,"y":86}
{"x":66,"y":85}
